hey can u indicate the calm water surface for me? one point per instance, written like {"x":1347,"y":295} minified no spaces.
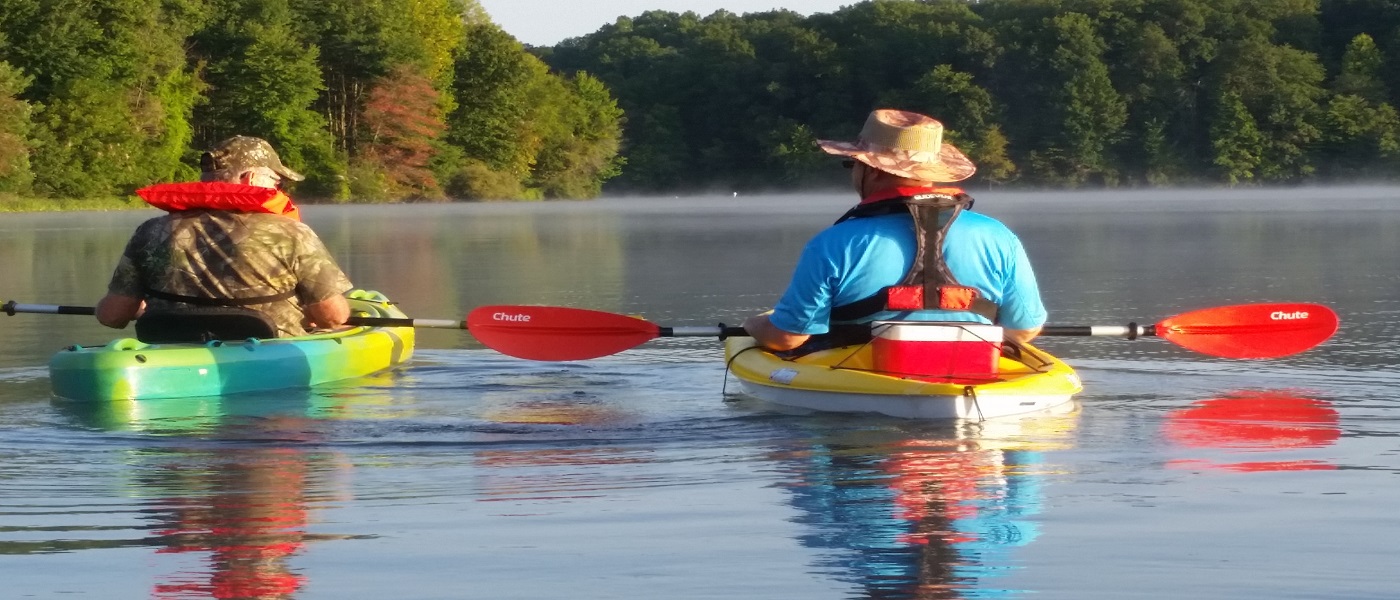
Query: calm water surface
{"x":467,"y":474}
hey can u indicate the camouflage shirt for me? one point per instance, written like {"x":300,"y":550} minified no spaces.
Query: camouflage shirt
{"x":230,"y":255}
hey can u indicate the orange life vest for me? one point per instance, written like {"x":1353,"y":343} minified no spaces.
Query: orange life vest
{"x":216,"y":195}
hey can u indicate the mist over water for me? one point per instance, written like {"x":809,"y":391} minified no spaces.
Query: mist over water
{"x":467,"y":474}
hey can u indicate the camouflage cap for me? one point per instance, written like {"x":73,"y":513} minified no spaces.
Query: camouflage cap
{"x":906,"y":144}
{"x":242,"y":152}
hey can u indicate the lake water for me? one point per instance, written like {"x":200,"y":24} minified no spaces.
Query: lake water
{"x":466,"y":474}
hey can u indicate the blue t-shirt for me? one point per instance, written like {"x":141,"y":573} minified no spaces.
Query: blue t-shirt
{"x":855,"y":259}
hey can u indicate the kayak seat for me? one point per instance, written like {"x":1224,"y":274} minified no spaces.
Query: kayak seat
{"x":203,"y":324}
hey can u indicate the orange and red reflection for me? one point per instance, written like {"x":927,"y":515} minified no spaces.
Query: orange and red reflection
{"x":1254,"y":421}
{"x":948,"y":483}
{"x":249,"y":515}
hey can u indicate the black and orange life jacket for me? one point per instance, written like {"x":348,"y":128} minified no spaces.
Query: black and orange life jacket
{"x":928,"y":285}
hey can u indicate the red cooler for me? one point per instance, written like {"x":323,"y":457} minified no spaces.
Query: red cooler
{"x":937,"y":351}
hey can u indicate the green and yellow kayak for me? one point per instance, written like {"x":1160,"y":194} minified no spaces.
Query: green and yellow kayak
{"x":843,"y":380}
{"x":127,"y":369}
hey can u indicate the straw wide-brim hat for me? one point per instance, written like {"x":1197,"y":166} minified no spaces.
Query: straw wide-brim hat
{"x":905,"y":144}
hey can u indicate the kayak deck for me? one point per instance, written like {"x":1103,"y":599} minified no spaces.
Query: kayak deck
{"x":128,"y":369}
{"x":842,"y":380}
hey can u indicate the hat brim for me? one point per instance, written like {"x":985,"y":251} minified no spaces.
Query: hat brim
{"x":949,"y":165}
{"x":288,"y":173}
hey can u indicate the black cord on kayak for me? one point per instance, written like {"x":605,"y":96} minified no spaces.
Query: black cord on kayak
{"x":729,"y":366}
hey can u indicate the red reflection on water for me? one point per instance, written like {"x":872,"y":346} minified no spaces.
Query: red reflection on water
{"x":1255,"y":421}
{"x":250,"y":523}
{"x":1253,"y":467}
{"x":939,"y":485}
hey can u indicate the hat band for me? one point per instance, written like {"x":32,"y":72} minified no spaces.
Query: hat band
{"x":901,"y":138}
{"x":905,"y":153}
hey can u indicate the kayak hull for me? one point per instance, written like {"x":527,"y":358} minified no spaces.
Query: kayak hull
{"x":127,"y":369}
{"x":841,"y":380}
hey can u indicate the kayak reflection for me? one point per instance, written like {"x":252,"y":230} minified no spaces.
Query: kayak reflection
{"x":245,"y":512}
{"x":228,"y":481}
{"x":914,"y":511}
{"x":1273,"y":421}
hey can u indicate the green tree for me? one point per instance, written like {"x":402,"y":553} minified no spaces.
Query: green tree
{"x":111,"y":88}
{"x":659,"y":156}
{"x":1360,"y":129}
{"x":15,"y":175}
{"x":263,"y":81}
{"x":1147,"y":67}
{"x":1281,"y":87}
{"x":1069,"y":112}
{"x":580,"y":153}
{"x":1359,"y":139}
{"x":1237,"y":142}
{"x":493,"y":83}
{"x":1361,"y":71}
{"x":630,"y":58}
{"x":352,"y":55}
{"x":361,"y":41}
{"x":889,"y":42}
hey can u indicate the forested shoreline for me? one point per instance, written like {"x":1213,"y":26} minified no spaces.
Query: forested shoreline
{"x":1054,"y":93}
{"x":392,"y":100}
{"x":374,"y":100}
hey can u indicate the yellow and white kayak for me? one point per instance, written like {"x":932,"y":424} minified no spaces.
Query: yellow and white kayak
{"x":842,"y":380}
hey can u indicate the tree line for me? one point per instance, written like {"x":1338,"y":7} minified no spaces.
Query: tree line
{"x":384,"y":100}
{"x":372,"y":99}
{"x":1062,"y":93}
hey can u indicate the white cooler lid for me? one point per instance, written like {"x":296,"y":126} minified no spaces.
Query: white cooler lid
{"x":907,"y":331}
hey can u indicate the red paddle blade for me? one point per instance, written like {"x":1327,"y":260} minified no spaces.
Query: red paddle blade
{"x":557,"y":333}
{"x":1251,"y":330}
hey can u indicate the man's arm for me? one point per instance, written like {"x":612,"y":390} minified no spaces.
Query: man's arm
{"x":116,"y":310}
{"x":769,"y":336}
{"x":1021,"y":303}
{"x":328,"y":314}
{"x":318,"y":276}
{"x":1020,"y":336}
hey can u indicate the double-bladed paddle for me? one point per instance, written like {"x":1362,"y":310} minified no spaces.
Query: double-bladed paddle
{"x":554,"y":333}
{"x":1240,"y":331}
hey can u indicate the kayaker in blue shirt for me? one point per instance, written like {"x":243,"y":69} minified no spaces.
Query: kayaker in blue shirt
{"x":909,"y":251}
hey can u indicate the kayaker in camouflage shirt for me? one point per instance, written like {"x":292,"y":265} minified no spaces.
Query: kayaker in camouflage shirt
{"x":231,"y":240}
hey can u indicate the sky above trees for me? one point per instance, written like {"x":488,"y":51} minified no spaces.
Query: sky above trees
{"x":547,"y":22}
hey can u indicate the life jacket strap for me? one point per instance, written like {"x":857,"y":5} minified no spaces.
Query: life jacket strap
{"x":203,"y":301}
